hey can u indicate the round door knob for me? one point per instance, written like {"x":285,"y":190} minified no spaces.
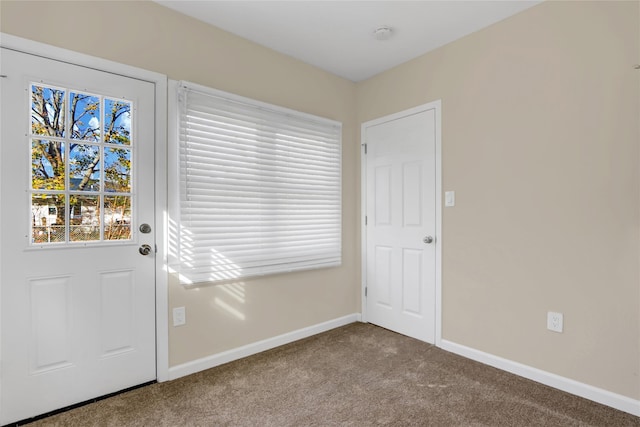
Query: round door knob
{"x":145,"y":249}
{"x":428,"y":239}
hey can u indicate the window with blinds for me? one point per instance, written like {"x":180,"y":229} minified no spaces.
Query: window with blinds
{"x":259,"y":188}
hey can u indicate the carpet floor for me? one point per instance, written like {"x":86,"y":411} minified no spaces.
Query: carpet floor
{"x":356,"y":375}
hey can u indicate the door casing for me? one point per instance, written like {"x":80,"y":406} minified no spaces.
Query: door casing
{"x":437,"y":107}
{"x":160,"y":83}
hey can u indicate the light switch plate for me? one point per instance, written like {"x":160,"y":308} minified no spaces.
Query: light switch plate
{"x":179,"y":316}
{"x":449,"y":199}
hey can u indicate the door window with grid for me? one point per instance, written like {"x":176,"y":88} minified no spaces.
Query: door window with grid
{"x":81,"y":156}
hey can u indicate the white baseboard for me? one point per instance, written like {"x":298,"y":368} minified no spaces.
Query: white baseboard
{"x":257,"y":347}
{"x":595,"y":394}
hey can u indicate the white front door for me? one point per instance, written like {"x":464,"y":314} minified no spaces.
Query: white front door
{"x":401,"y":223}
{"x":77,"y":295}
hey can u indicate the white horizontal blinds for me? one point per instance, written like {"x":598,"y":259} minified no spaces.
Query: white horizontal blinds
{"x":260,"y":188}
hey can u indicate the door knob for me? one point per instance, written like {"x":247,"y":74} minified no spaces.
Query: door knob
{"x":145,"y":228}
{"x":144,"y":249}
{"x":428,"y":239}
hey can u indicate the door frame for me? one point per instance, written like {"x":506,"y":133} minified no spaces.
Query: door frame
{"x":437,"y":107}
{"x":160,"y":178}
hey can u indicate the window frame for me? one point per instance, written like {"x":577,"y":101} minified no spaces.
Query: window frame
{"x":174,"y":172}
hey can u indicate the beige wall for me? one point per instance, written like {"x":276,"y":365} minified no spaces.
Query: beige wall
{"x":540,"y":142}
{"x":155,"y":38}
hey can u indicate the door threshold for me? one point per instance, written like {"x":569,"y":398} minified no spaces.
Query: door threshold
{"x":77,"y":405}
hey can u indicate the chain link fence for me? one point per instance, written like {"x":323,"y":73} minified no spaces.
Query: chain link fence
{"x":79,"y":233}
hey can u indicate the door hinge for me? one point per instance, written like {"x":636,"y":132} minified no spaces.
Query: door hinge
{"x":155,"y":248}
{"x":365,"y":291}
{"x":365,"y":148}
{"x":366,"y":220}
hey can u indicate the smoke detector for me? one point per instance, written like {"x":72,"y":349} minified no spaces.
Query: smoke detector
{"x":383,"y":33}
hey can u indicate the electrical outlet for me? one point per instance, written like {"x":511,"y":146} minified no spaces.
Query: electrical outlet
{"x":554,"y":321}
{"x":179,"y":316}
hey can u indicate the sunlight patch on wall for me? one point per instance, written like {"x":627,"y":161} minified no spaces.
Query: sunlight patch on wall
{"x":228,"y":308}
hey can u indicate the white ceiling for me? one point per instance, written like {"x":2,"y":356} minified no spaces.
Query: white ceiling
{"x":337,"y":36}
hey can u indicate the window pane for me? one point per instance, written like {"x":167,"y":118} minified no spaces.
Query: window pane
{"x":117,"y":218}
{"x":117,"y":170}
{"x":85,"y":116}
{"x":84,"y":163}
{"x":47,"y":165}
{"x":47,"y":218}
{"x":84,"y":218}
{"x":47,"y":111}
{"x":117,"y":122}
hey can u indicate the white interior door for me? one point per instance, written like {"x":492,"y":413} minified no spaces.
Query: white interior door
{"x":401,"y":224}
{"x":78,"y":298}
